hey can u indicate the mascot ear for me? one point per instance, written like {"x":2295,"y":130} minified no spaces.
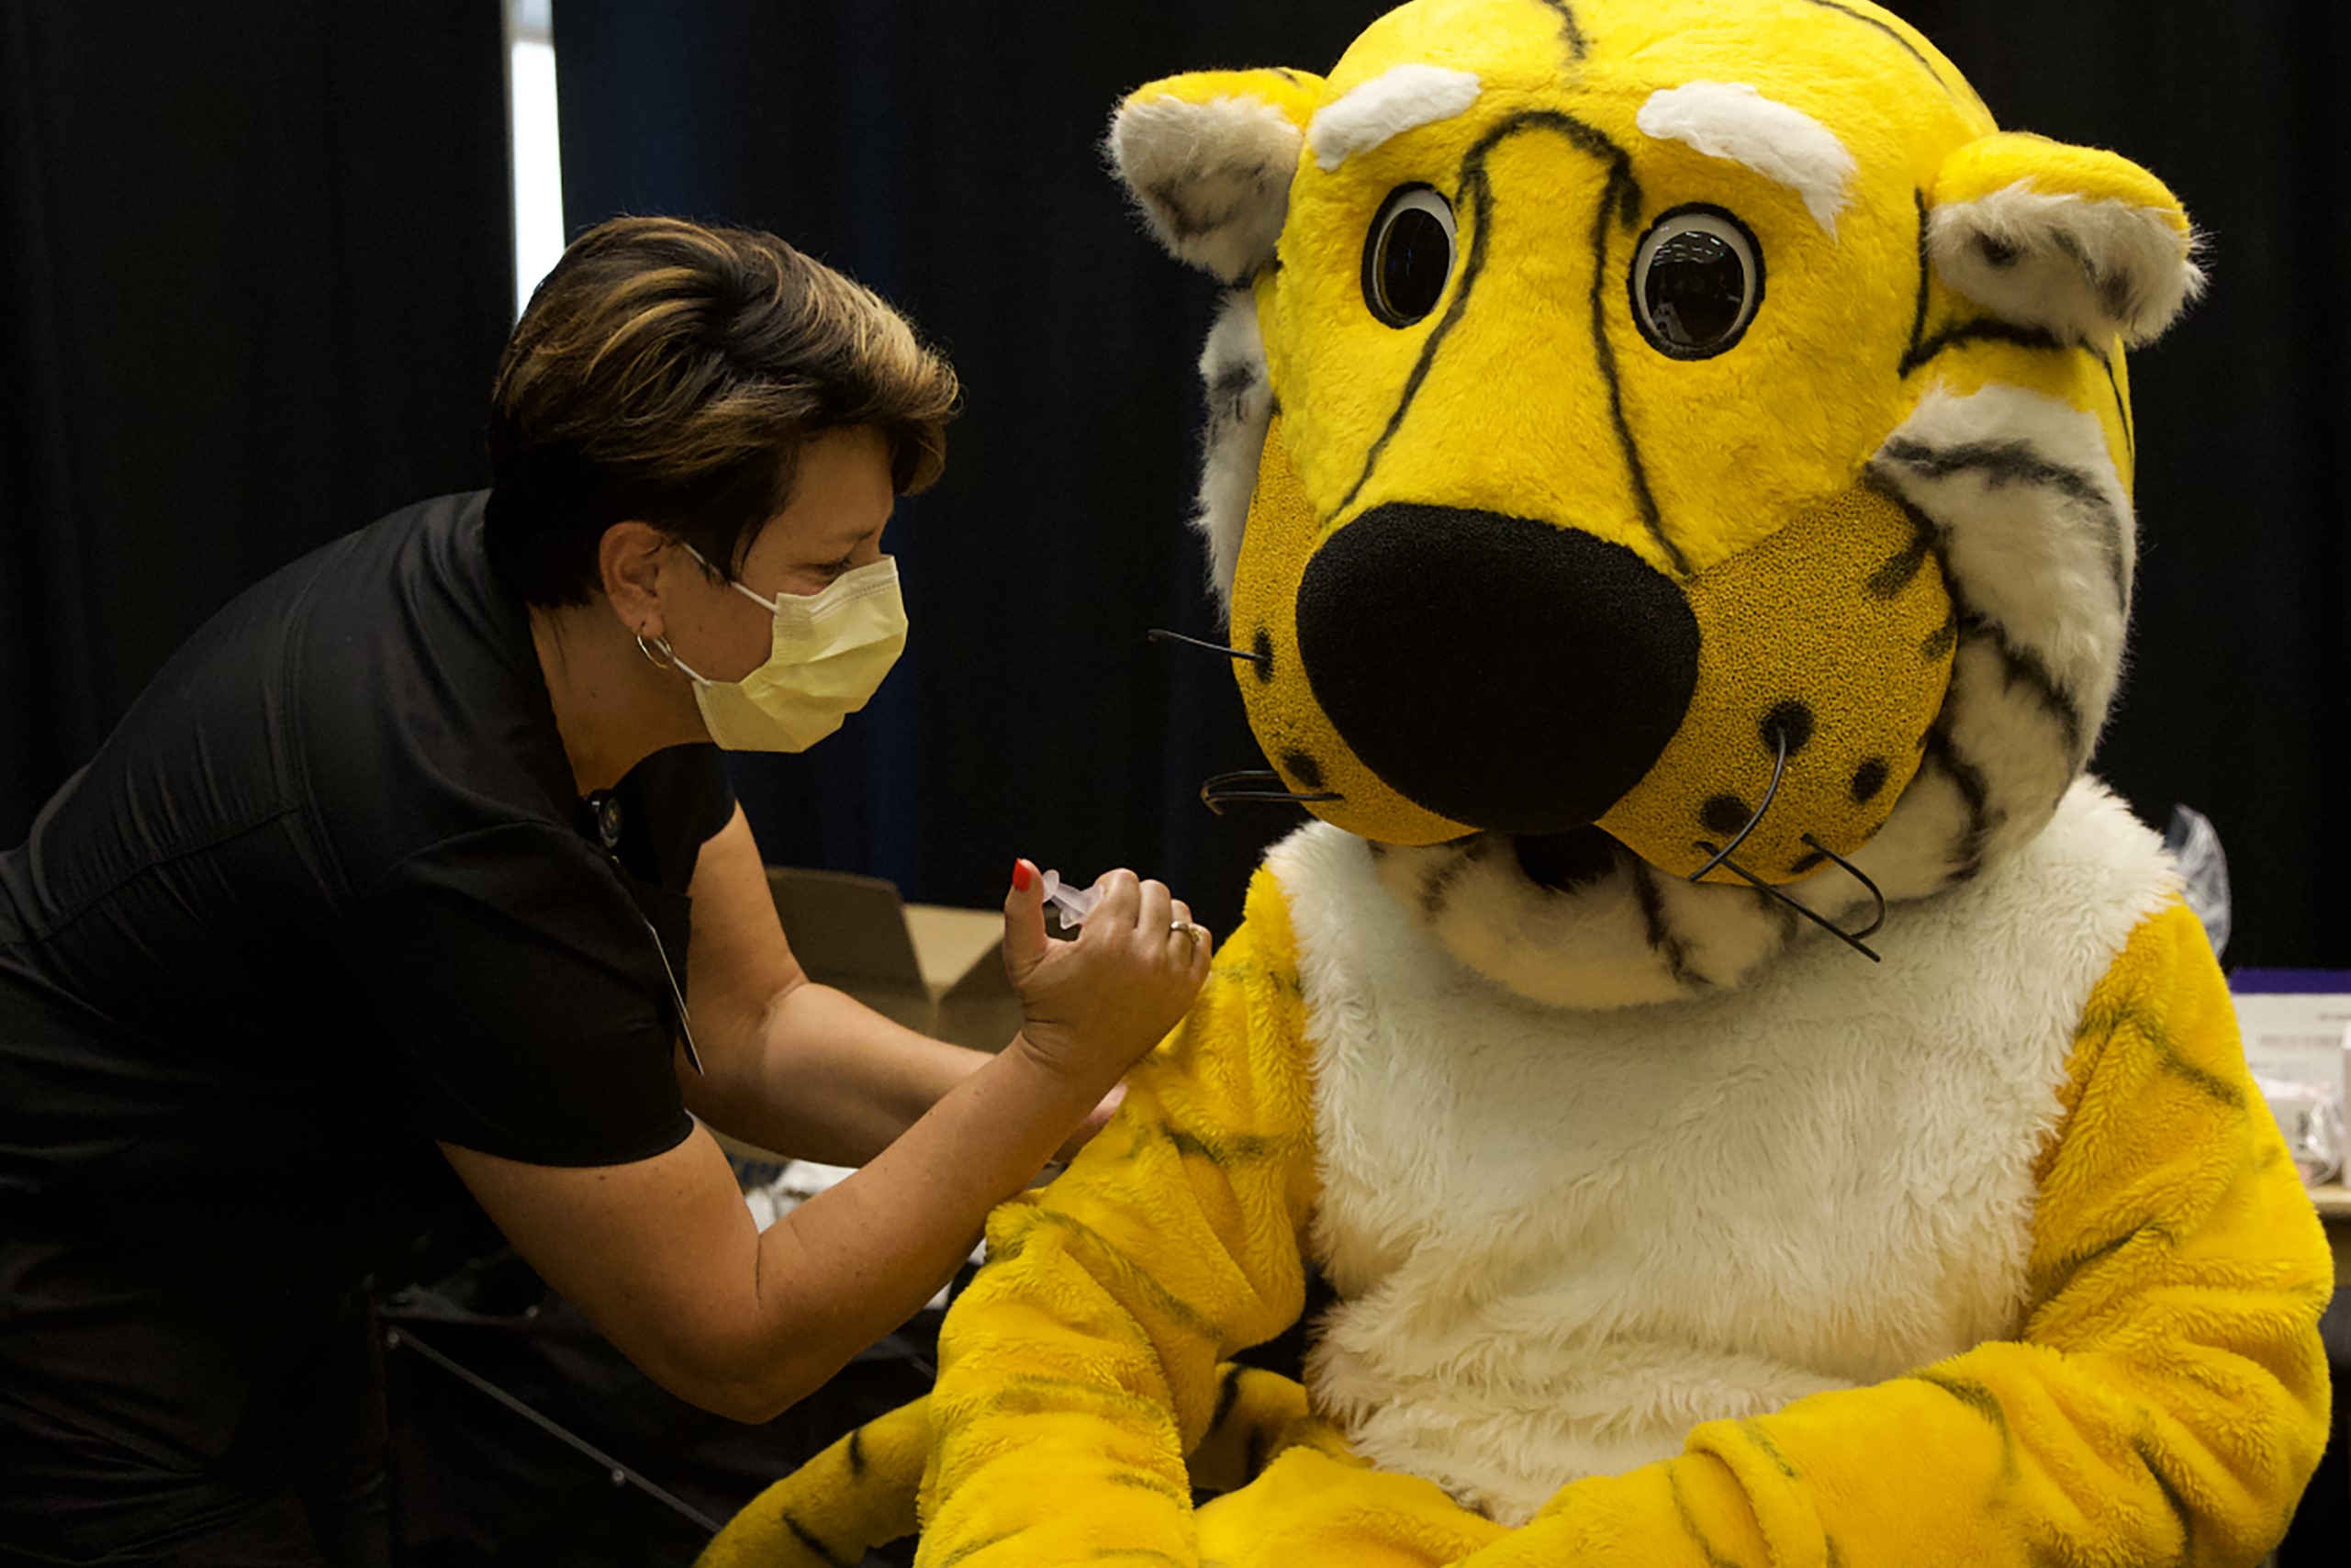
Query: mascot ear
{"x":1208,"y":158}
{"x":2079,"y":242}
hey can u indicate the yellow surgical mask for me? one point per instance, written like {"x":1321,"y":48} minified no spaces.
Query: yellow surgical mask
{"x":829,"y":653}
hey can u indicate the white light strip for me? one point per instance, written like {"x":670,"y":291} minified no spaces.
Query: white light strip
{"x":534,"y":146}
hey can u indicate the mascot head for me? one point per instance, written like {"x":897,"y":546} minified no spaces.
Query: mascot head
{"x":1669,"y":462}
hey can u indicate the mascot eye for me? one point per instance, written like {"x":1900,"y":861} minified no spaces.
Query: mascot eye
{"x":1696,"y":281}
{"x":1409,"y":256}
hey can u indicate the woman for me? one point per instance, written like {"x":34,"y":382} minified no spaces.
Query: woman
{"x":410,"y":856}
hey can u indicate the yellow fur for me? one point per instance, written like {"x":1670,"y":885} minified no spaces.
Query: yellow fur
{"x":1995,"y":163}
{"x":1089,"y":1366}
{"x":858,"y":1493}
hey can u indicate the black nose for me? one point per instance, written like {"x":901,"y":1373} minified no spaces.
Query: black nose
{"x":1509,"y":675}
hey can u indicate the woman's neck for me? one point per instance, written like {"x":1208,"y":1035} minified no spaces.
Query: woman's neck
{"x":612,"y":707}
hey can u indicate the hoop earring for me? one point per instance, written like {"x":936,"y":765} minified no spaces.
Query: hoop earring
{"x":667,"y":661}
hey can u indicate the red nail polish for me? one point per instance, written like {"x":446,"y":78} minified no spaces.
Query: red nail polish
{"x":1020,"y":876}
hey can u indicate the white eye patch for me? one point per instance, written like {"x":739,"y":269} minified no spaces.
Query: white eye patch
{"x":1732,"y":121}
{"x":1400,"y":99}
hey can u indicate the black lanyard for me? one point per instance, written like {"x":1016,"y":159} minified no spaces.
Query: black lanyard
{"x":604,"y":812}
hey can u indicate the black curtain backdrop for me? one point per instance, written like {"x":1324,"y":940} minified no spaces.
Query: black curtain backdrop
{"x":254,"y":273}
{"x":945,"y":153}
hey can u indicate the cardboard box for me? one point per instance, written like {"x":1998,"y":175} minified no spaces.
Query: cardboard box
{"x":934,"y":968}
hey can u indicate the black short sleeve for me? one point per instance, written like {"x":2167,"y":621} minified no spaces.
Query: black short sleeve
{"x":514,"y":985}
{"x":330,"y":891}
{"x":671,"y":804}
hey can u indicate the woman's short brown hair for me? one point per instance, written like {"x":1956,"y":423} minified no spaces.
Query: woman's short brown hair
{"x":671,"y":373}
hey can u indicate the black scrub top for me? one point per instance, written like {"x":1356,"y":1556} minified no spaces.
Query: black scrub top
{"x":327,"y":895}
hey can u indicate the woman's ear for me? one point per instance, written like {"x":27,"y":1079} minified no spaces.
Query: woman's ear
{"x":1208,"y":158}
{"x":2081,"y":243}
{"x":629,"y":560}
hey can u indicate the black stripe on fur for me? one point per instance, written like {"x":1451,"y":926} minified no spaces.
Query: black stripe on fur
{"x":2121,"y":406}
{"x":1943,"y":638}
{"x":1183,"y":1313}
{"x":1619,"y":204}
{"x":1570,"y":32}
{"x":1229,"y":1389}
{"x":973,"y":1549}
{"x":2024,"y":668}
{"x":2172,"y":1497}
{"x":1623,"y":192}
{"x":1688,"y":1520}
{"x":1975,"y":792}
{"x":2000,"y":463}
{"x":1982,"y":330}
{"x":1436,"y":886}
{"x":1907,"y":47}
{"x":2060,"y":1274}
{"x":817,"y":1548}
{"x":1985,"y":1403}
{"x":1926,"y":272}
{"x":2113,"y":289}
{"x":1236,"y":1149}
{"x":1663,"y":939}
{"x":1791,"y":923}
{"x":1901,"y":568}
{"x":1257,"y":1453}
{"x":2168,"y":1055}
{"x":1752,"y":1430}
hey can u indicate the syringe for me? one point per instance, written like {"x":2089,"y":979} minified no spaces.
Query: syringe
{"x":1070,"y":905}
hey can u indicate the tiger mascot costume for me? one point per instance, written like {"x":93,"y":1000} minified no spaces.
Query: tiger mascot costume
{"x":1754,"y":1098}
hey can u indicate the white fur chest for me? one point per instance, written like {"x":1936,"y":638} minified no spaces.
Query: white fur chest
{"x":1561,"y":1239}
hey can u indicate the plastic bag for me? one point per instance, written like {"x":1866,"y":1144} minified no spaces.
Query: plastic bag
{"x":2203,"y":871}
{"x":2311,"y":1116}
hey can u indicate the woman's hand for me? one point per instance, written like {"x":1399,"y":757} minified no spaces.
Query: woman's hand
{"x":1093,"y":1007}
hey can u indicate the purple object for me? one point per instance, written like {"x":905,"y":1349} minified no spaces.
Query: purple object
{"x":2291,"y":982}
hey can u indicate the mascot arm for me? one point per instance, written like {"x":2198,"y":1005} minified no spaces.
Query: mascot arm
{"x":2165,"y":1401}
{"x":1081,"y":1364}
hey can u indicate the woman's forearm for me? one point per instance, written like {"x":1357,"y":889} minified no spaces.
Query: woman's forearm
{"x":832,"y":1081}
{"x":856,"y":1260}
{"x":662,"y":1254}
